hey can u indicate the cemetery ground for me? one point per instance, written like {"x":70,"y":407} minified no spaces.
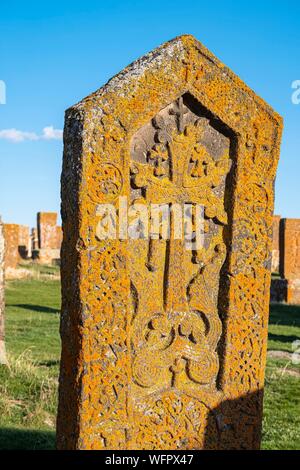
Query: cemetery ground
{"x":28,"y":386}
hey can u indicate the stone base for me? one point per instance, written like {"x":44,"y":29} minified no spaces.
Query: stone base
{"x":46,"y":256}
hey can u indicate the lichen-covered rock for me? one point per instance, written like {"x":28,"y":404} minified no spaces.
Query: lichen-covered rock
{"x":290,"y":258}
{"x":164,"y":348}
{"x":49,"y":233}
{"x":46,"y":241}
{"x":290,"y":248}
{"x":11,"y":235}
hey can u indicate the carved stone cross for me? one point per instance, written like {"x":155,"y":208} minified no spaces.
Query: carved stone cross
{"x":169,"y":304}
{"x":179,"y":111}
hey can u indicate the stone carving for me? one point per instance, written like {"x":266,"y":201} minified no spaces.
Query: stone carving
{"x":179,"y":157}
{"x":107,"y":183}
{"x":164,"y":347}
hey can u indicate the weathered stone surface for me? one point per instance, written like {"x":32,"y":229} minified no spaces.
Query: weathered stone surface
{"x":290,"y":258}
{"x":3,"y":358}
{"x":164,"y":348}
{"x":47,"y":229}
{"x":290,"y":249}
{"x":24,"y":242}
{"x":12,"y":257}
{"x":276,"y":244}
{"x":18,"y":245}
{"x":49,"y":238}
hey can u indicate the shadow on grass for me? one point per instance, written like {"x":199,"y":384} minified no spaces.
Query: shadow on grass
{"x":283,"y":338}
{"x":26,"y":439}
{"x":282,"y":314}
{"x":49,"y":363}
{"x":36,"y":308}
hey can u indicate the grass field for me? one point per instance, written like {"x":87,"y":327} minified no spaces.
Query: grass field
{"x":28,"y":387}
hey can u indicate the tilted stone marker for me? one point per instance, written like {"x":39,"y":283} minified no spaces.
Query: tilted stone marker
{"x":290,"y":258}
{"x":163,"y":347}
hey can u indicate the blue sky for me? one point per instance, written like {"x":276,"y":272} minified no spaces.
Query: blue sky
{"x":52,"y":54}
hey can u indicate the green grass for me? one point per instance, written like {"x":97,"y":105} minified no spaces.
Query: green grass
{"x":40,"y":271}
{"x":28,"y":387}
{"x":281,"y":421}
{"x":284,"y":326}
{"x":33,"y":308}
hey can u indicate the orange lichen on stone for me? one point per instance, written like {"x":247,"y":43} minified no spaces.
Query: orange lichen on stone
{"x":11,"y":235}
{"x":49,"y":238}
{"x":46,"y":225}
{"x":290,"y":258}
{"x":162,"y":347}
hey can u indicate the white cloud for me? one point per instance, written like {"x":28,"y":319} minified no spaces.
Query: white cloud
{"x":49,"y":133}
{"x":15,"y":135}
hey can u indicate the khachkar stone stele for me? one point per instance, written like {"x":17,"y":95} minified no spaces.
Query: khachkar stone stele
{"x":164,"y":347}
